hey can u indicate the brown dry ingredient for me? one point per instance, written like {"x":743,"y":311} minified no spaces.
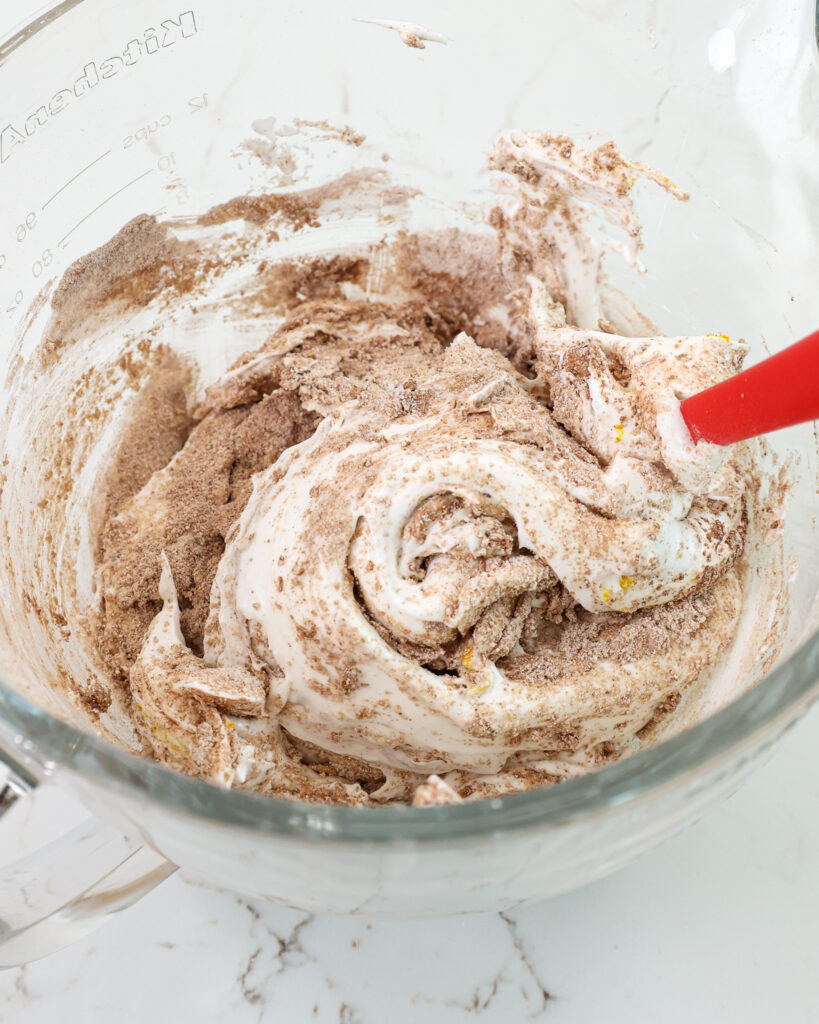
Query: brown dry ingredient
{"x":298,"y":212}
{"x":205,"y":488}
{"x":142,"y":261}
{"x":661,"y":712}
{"x":204,"y":491}
{"x":344,"y":134}
{"x":586,"y":638}
{"x":157,"y":427}
{"x":274,"y":398}
{"x":350,"y":769}
{"x":277,"y":285}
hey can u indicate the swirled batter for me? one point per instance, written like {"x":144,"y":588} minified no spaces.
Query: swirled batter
{"x":443,"y":535}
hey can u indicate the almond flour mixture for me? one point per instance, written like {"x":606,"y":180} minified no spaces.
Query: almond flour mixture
{"x":443,"y":534}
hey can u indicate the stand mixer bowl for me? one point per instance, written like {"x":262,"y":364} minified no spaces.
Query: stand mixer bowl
{"x":115,"y":108}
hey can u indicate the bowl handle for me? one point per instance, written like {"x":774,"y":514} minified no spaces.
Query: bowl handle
{"x":69,"y":887}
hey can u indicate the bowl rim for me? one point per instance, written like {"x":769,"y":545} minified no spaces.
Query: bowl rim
{"x":755,"y":718}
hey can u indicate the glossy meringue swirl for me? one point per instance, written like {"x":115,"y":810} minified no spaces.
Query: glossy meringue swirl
{"x":499,"y":576}
{"x":379,"y":548}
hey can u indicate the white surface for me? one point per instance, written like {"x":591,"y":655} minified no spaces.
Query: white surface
{"x":722,"y":924}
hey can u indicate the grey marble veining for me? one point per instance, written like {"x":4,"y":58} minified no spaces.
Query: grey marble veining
{"x":719,"y":924}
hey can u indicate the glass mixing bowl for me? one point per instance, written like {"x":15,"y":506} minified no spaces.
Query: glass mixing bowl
{"x":112,"y":108}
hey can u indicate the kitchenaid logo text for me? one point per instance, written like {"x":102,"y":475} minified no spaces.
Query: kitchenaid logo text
{"x":170,"y":32}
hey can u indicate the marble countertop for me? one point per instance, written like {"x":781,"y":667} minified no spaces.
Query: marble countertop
{"x":720,"y":924}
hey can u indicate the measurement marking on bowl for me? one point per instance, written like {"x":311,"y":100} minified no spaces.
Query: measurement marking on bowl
{"x":99,"y":206}
{"x":77,"y":175}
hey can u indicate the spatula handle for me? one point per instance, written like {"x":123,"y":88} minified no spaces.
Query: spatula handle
{"x":778,"y":392}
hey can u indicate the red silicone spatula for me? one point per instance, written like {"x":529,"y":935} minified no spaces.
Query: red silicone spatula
{"x":778,"y":392}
